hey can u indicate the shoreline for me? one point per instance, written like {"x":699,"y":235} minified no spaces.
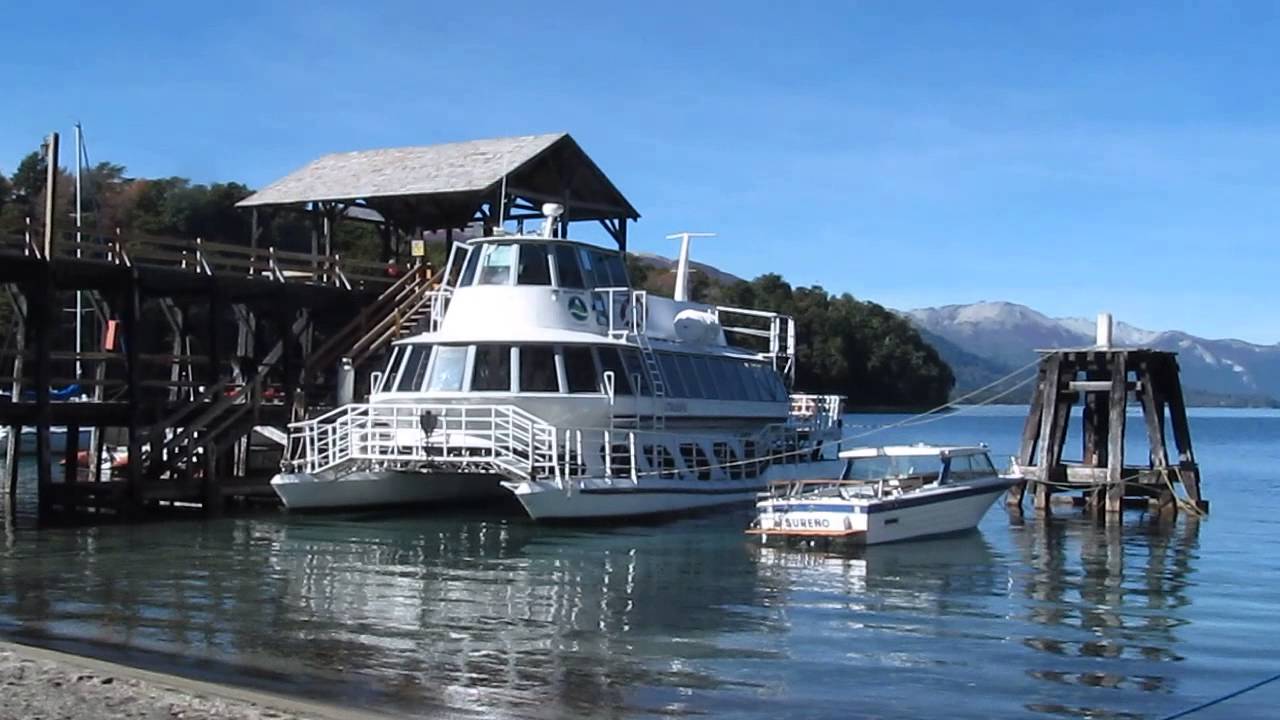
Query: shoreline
{"x":48,"y":683}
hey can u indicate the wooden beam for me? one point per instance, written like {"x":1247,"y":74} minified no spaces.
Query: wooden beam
{"x":1051,"y":397}
{"x":1115,"y":437}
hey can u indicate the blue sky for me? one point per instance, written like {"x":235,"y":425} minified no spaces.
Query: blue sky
{"x":1075,"y":157}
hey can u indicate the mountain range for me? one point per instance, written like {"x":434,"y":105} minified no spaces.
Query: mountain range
{"x":985,"y":341}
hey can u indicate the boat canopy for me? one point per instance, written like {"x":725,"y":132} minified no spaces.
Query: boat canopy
{"x":919,"y":450}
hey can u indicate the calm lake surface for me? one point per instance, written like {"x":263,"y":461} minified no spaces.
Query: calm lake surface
{"x":491,"y":615}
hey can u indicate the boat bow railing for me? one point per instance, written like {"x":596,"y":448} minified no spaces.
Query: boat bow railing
{"x":478,"y":438}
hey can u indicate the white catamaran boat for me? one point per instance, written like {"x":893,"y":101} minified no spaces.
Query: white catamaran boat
{"x":884,"y":495}
{"x":543,"y":374}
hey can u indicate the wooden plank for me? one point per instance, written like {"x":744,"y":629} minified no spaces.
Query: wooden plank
{"x":13,"y":444}
{"x":1172,"y":392}
{"x":129,"y":313}
{"x":1098,"y":385}
{"x":1153,"y":418}
{"x":43,"y":318}
{"x":1116,"y":400}
{"x":71,"y":457}
{"x":1051,"y":397}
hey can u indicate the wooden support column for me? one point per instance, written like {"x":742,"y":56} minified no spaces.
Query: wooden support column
{"x":1030,"y":436}
{"x":42,"y":317}
{"x":1188,"y":469}
{"x":130,"y":312}
{"x":1050,"y":392}
{"x":1115,"y":436}
{"x":13,"y":445}
{"x":71,"y":465}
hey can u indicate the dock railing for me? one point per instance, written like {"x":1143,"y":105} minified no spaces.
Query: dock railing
{"x":500,"y":438}
{"x":202,"y":257}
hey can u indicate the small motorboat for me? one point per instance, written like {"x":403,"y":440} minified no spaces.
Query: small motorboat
{"x":885,"y":494}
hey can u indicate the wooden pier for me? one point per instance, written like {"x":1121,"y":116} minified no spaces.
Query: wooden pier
{"x":1104,"y":380}
{"x":199,"y":354}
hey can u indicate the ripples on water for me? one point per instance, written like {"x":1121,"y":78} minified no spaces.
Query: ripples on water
{"x":499,"y":616}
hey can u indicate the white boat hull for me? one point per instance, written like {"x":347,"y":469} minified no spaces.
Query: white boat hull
{"x":303,"y":491}
{"x":883,"y":521}
{"x":600,"y":498}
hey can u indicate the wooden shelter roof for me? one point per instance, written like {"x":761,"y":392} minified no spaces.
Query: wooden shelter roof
{"x":440,"y":186}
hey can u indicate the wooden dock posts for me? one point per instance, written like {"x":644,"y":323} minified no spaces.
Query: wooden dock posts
{"x":1103,"y":380}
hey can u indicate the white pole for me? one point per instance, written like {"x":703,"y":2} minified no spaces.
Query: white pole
{"x":1104,"y":330}
{"x":79,"y":218}
{"x":682,"y":266}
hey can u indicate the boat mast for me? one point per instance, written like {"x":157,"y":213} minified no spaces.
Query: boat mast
{"x":682,"y":267}
{"x":79,"y":218}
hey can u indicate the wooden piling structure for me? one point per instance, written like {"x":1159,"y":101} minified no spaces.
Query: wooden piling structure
{"x":1104,"y":380}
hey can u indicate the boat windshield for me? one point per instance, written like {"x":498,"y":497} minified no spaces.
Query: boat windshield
{"x":924,"y":468}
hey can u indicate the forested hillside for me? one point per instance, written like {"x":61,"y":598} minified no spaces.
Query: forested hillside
{"x":846,"y":346}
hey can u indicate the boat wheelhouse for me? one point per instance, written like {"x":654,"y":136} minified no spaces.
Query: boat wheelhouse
{"x":885,"y":494}
{"x":541,"y":372}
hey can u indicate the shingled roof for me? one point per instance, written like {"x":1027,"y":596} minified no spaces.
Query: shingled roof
{"x":452,"y":180}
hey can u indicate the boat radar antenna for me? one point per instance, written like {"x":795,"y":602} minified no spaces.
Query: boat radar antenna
{"x":682,"y":267}
{"x":550,"y":211}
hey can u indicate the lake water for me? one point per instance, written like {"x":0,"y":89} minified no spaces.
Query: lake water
{"x":495,"y":616}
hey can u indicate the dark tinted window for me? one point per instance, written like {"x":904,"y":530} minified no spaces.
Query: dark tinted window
{"x":690,"y":376}
{"x":779,"y":387}
{"x":538,"y":369}
{"x":469,"y":273}
{"x":730,"y":379}
{"x":636,"y":370}
{"x":609,"y":266}
{"x":580,"y":369}
{"x":747,"y":374}
{"x":393,"y":364}
{"x":567,"y":267}
{"x":492,"y":369}
{"x":415,"y":366}
{"x":588,"y":267}
{"x":671,"y":375}
{"x":610,"y":362}
{"x":535,"y":268}
{"x":706,"y":376}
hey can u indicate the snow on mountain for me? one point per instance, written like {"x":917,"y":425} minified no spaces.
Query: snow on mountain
{"x":1007,"y":334}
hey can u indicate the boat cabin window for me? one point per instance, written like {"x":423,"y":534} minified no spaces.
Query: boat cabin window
{"x":969,"y":467}
{"x":921,"y":468}
{"x":580,"y":369}
{"x":469,"y":270}
{"x":491,"y":370}
{"x":637,"y":373}
{"x":604,"y":268}
{"x":415,"y":366}
{"x":538,"y":369}
{"x":535,"y":268}
{"x":671,"y":375}
{"x":393,"y":364}
{"x":448,"y":368}
{"x":568,"y":273}
{"x":610,"y":361}
{"x":496,"y":261}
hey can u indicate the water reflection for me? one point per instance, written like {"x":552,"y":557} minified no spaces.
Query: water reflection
{"x":1105,"y":603}
{"x":415,"y":614}
{"x":411,"y":613}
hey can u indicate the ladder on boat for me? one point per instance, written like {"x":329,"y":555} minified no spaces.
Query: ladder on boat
{"x":659,"y":419}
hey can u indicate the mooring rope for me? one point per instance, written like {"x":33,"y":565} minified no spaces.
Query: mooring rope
{"x":1222,"y":699}
{"x":923,"y":418}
